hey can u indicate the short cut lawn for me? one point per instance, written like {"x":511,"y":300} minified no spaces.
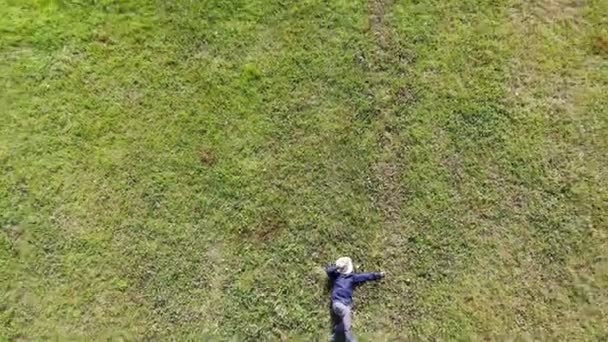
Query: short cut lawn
{"x":184,"y":169}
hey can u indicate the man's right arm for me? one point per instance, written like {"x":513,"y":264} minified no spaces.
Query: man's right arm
{"x":332,"y":271}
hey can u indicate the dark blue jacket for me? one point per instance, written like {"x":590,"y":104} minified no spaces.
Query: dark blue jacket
{"x":344,"y":284}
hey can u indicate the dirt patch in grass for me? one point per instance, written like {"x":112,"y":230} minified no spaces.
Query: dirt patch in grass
{"x":378,"y":26}
{"x":13,"y":232}
{"x":600,"y":45}
{"x":215,"y":259}
{"x":390,"y":196}
{"x":270,"y":226}
{"x":405,"y":96}
{"x":207,"y":157}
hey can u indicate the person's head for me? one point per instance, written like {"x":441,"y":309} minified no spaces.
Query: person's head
{"x":344,"y":265}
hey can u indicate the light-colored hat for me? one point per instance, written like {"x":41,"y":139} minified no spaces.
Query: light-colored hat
{"x":344,"y":265}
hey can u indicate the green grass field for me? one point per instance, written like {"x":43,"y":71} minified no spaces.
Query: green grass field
{"x":184,"y":169}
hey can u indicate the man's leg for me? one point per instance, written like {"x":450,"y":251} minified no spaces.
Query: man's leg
{"x":338,"y":328}
{"x":347,"y":321}
{"x":345,"y":313}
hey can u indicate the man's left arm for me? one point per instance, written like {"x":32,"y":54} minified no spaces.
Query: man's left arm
{"x":363,"y":277}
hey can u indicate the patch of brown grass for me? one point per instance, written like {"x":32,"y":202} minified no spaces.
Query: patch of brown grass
{"x":377,"y":12}
{"x":600,"y":46}
{"x":207,"y":157}
{"x":405,"y":96}
{"x":270,"y":226}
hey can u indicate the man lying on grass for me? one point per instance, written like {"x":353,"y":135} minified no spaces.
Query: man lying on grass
{"x":344,"y":282}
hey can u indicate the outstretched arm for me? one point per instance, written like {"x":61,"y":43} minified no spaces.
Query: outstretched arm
{"x":363,"y":277}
